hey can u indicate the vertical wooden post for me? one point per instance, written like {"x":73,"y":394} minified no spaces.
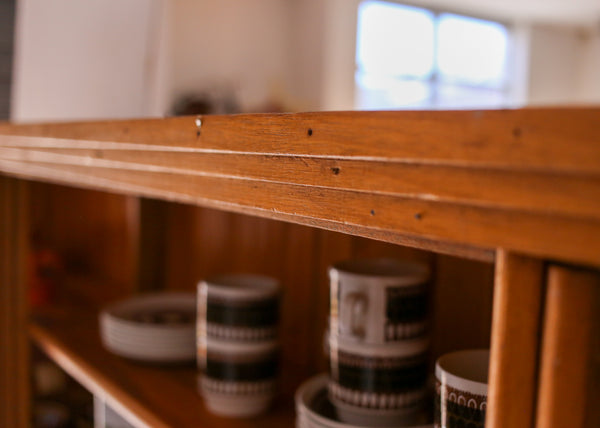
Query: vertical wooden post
{"x":516,"y":328}
{"x":14,"y":343}
{"x":569,"y":353}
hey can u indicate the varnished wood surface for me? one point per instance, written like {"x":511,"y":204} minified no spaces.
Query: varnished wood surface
{"x":461,"y":307}
{"x":526,"y":138}
{"x":14,"y":346}
{"x":447,"y":181}
{"x":569,"y":353}
{"x":93,"y":233}
{"x":144,"y":394}
{"x":516,"y":328}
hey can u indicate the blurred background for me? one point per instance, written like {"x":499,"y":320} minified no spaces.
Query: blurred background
{"x":68,"y":59}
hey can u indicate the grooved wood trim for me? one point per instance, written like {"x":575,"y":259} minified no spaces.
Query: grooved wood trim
{"x":14,"y":345}
{"x":458,"y":180}
{"x":523,"y":138}
{"x":311,"y":206}
{"x":516,"y":327}
{"x":571,"y":194}
{"x":569,"y":346}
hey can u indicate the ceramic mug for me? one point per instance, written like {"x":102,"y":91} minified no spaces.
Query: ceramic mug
{"x":377,"y":381}
{"x":239,"y":379}
{"x":378,"y":301}
{"x":237,"y":307}
{"x":461,"y":389}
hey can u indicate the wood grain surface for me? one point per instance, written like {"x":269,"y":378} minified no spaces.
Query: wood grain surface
{"x":514,"y":353}
{"x":14,"y":307}
{"x":539,"y":138}
{"x":94,"y":233}
{"x":449,"y":181}
{"x":569,"y":358}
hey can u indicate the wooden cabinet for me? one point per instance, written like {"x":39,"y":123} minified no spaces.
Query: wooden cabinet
{"x":504,"y":205}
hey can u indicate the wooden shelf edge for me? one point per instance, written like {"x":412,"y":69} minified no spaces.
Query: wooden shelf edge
{"x":99,"y":385}
{"x":144,"y":395}
{"x":107,"y":184}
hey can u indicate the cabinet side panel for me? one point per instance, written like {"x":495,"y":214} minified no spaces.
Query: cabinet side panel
{"x":14,"y":344}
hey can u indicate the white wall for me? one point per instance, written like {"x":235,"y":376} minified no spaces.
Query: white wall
{"x":84,"y":59}
{"x":564,"y":65}
{"x":554,"y":64}
{"x":236,"y":44}
{"x":306,"y":66}
{"x":588,"y":89}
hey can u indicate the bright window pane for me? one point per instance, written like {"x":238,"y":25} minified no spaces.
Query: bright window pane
{"x":395,"y":40}
{"x":376,"y":92}
{"x":471,"y":51}
{"x":464,"y":97}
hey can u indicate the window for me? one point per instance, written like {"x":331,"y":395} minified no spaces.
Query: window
{"x":408,"y":57}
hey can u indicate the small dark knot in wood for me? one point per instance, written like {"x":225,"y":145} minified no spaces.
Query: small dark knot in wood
{"x":335,"y":170}
{"x":372,"y":212}
{"x":309,"y":132}
{"x":418,"y":216}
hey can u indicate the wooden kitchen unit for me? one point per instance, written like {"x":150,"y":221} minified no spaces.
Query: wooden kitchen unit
{"x":504,"y":205}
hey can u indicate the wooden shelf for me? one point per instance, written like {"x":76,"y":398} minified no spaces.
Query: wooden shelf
{"x":458,"y":182}
{"x":144,"y":394}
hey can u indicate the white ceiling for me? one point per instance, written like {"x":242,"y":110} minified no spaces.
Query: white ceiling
{"x":586,"y":12}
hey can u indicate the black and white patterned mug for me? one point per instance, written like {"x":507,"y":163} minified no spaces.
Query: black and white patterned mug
{"x":375,"y":380}
{"x":378,"y":301}
{"x":461,"y":389}
{"x":239,"y":379}
{"x":237,"y":307}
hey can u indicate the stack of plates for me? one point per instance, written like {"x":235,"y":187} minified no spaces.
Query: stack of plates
{"x":155,"y":327}
{"x":314,"y":410}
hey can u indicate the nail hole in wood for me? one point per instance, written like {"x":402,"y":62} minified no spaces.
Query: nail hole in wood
{"x":372,"y":212}
{"x":517,"y":132}
{"x":309,"y":132}
{"x":198,"y":123}
{"x":335,"y":170}
{"x":418,"y":216}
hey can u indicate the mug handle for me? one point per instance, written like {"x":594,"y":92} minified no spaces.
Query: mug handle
{"x":353,"y":314}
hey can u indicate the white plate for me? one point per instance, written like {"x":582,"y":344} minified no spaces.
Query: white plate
{"x":144,"y":341}
{"x":314,"y":410}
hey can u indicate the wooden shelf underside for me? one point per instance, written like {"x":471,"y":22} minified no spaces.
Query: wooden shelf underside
{"x":144,"y":394}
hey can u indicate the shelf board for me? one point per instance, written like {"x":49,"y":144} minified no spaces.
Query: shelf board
{"x":458,"y":182}
{"x":143,"y":394}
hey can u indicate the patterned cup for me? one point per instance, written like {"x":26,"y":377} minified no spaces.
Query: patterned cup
{"x":239,"y":379}
{"x":378,"y":301}
{"x":369,"y":382}
{"x":238,"y":307}
{"x":461,"y":389}
{"x":237,"y":346}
